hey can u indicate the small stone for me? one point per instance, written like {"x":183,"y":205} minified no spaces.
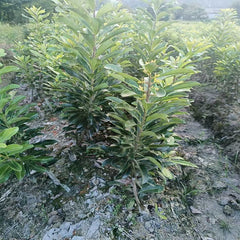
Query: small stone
{"x":149,"y":227}
{"x":234,"y":205}
{"x":72,"y":157}
{"x":78,"y":238}
{"x":207,"y":238}
{"x":223,"y":201}
{"x":219,"y":186}
{"x":53,"y":219}
{"x":195,"y":210}
{"x":227,"y":210}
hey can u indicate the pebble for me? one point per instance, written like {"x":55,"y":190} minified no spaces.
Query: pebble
{"x":219,"y":186}
{"x":234,"y":205}
{"x":223,"y":201}
{"x":78,"y":238}
{"x":227,"y":210}
{"x":195,"y":210}
{"x":149,"y":226}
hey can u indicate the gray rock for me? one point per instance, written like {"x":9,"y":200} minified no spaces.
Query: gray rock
{"x":149,"y":226}
{"x":64,"y":231}
{"x":93,"y":228}
{"x":78,"y":238}
{"x":195,"y":210}
{"x":223,"y":201}
{"x":219,"y":186}
{"x":227,"y":210}
{"x":234,"y":205}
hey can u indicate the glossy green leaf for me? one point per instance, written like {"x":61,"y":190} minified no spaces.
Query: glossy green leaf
{"x":7,"y":134}
{"x":15,"y":166}
{"x":151,"y":189}
{"x":114,"y":68}
{"x":166,"y":172}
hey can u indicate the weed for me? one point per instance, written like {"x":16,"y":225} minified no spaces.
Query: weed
{"x":224,"y":225}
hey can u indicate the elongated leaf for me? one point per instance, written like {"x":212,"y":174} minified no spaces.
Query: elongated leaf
{"x":105,"y":9}
{"x":7,"y":134}
{"x":153,"y":160}
{"x":167,"y":173}
{"x":151,"y":189}
{"x":114,"y":68}
{"x":128,"y":93}
{"x":8,"y":88}
{"x":12,"y":149}
{"x":15,"y":166}
{"x":8,"y":69}
{"x":177,"y":72}
{"x":182,"y":162}
{"x":5,"y":173}
{"x":3,"y":145}
{"x":149,"y":134}
{"x":3,"y":102}
{"x":20,"y":174}
{"x":157,"y":116}
{"x":115,"y":99}
{"x":16,"y":120}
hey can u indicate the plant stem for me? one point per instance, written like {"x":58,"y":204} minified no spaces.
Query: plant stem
{"x":149,"y":87}
{"x":135,"y":192}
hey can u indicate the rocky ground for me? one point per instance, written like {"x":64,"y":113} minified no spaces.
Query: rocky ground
{"x":200,"y":204}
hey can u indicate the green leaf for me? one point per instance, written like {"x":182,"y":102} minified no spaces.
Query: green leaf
{"x":16,"y":120}
{"x":167,"y":173}
{"x":8,"y":69}
{"x":182,"y":162}
{"x":2,"y":52}
{"x":128,"y":93}
{"x":161,"y":92}
{"x":151,"y":189}
{"x":101,"y":86}
{"x":8,"y":88}
{"x":129,"y":124}
{"x":5,"y":173}
{"x":105,"y":9}
{"x":15,"y":166}
{"x":115,"y":99}
{"x":7,"y":134}
{"x":3,"y":102}
{"x":157,"y":116}
{"x":153,"y":160}
{"x":3,"y":145}
{"x":20,"y":174}
{"x":149,"y":134}
{"x":113,"y":67}
{"x":103,"y":49}
{"x":12,"y":149}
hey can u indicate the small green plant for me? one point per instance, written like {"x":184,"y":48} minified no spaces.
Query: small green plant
{"x":159,"y":213}
{"x":33,"y":54}
{"x":17,"y":154}
{"x":91,"y":40}
{"x":5,"y":69}
{"x":12,"y":155}
{"x":144,"y":116}
{"x":224,"y":225}
{"x":227,"y":70}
